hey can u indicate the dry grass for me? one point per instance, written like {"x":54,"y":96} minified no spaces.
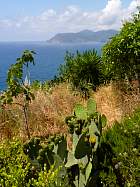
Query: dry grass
{"x":48,"y":111}
{"x":46,"y":114}
{"x":114,"y":103}
{"x":107,"y":103}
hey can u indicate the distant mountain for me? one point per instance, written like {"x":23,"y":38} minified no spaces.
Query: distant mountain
{"x":83,"y":36}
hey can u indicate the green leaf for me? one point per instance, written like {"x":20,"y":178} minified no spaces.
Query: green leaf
{"x":71,"y":160}
{"x":55,"y":149}
{"x":91,"y":107}
{"x":62,"y":149}
{"x":76,"y":181}
{"x":80,"y":112}
{"x":83,"y":162}
{"x":82,"y":180}
{"x":93,"y":130}
{"x":88,"y":171}
{"x":75,"y":141}
{"x":96,"y":144}
{"x":104,"y":120}
{"x":57,"y":160}
{"x":83,"y":148}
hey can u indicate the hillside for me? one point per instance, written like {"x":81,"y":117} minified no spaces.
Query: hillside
{"x":83,"y":36}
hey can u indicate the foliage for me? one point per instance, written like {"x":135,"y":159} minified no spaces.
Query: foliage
{"x":86,"y":129}
{"x":16,"y":169}
{"x":14,"y":164}
{"x":47,"y":154}
{"x":36,"y":85}
{"x":48,"y":178}
{"x":15,"y":80}
{"x":122,"y":53}
{"x":96,"y":158}
{"x":46,"y":85}
{"x":83,"y":71}
{"x":78,"y":165}
{"x":17,"y":86}
{"x":120,"y":165}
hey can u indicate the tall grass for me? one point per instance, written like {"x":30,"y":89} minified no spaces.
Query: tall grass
{"x":46,"y":114}
{"x":115,"y":103}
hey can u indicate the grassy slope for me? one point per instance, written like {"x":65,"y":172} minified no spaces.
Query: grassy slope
{"x":119,"y":162}
{"x":49,"y":109}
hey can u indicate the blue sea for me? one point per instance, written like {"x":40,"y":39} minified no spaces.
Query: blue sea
{"x":47,"y":59}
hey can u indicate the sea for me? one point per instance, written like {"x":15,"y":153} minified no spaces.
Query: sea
{"x":47,"y":59}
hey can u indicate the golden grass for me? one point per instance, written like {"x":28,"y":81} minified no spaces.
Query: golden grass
{"x":46,"y":114}
{"x":107,"y":103}
{"x":48,"y":111}
{"x":114,"y":103}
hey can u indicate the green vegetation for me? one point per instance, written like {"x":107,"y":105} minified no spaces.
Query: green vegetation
{"x":120,"y":61}
{"x":16,"y":169}
{"x":73,"y":167}
{"x":121,"y":54}
{"x":120,"y":153}
{"x":14,"y":164}
{"x":108,"y":160}
{"x":88,"y":154}
{"x":17,"y":86}
{"x":83,"y":71}
{"x":86,"y":129}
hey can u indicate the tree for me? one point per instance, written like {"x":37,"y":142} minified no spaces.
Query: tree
{"x":121,"y":55}
{"x":82,"y":70}
{"x":17,"y":86}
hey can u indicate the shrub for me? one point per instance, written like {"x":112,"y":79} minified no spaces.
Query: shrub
{"x":120,"y":153}
{"x":82,"y":70}
{"x":36,"y":85}
{"x":19,"y":170}
{"x":14,"y":165}
{"x":49,"y":178}
{"x":121,"y":54}
{"x":85,"y":126}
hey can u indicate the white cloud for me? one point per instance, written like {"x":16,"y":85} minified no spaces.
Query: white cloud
{"x":133,"y":5}
{"x":72,"y":19}
{"x":5,"y":23}
{"x":113,"y":6}
{"x":111,"y":12}
{"x":48,"y":15}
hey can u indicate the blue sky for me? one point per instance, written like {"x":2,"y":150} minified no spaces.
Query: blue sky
{"x":13,"y":8}
{"x":41,"y":19}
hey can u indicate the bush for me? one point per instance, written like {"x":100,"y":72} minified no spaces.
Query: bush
{"x":83,"y":71}
{"x":49,"y":178}
{"x":121,"y":54}
{"x":120,"y":153}
{"x":18,"y":170}
{"x":14,"y":165}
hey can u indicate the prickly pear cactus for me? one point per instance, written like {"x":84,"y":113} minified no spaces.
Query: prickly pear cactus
{"x":86,"y":129}
{"x":53,"y":150}
{"x":80,"y":112}
{"x":91,"y":107}
{"x":80,"y":162}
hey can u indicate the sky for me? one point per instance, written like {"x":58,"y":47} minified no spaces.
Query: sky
{"x":39,"y":20}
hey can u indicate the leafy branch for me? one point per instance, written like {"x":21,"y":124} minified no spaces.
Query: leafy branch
{"x":17,"y":86}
